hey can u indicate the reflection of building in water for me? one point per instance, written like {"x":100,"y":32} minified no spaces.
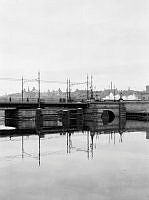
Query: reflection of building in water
{"x":92,"y":134}
{"x":69,"y":141}
{"x":114,"y":126}
{"x":39,"y":149}
{"x":90,"y":143}
{"x":22,"y":145}
{"x":147,"y":133}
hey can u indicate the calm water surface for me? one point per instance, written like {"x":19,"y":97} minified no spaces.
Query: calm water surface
{"x":60,"y":167}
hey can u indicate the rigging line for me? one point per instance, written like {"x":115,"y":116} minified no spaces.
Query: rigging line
{"x":62,"y":82}
{"x":17,"y":79}
{"x":45,"y":81}
{"x":29,"y":80}
{"x":10,"y":79}
{"x":75,"y":83}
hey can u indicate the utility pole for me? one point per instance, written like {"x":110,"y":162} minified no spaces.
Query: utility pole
{"x":39,"y":89}
{"x":22,"y":89}
{"x":91,"y":87}
{"x":87,"y":88}
{"x":114,"y":92}
{"x":69,"y":93}
{"x":111,"y":87}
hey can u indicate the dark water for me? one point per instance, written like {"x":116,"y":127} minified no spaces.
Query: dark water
{"x":73,"y":166}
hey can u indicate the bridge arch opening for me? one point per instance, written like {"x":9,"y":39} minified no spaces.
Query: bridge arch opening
{"x":107,"y":116}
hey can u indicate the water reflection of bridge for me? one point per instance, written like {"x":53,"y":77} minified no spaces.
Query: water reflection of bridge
{"x":94,"y":126}
{"x":90,"y":135}
{"x":128,"y":126}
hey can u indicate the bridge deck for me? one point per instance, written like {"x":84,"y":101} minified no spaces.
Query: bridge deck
{"x":29,"y":105}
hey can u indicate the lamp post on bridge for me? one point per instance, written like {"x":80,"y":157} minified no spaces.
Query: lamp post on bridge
{"x":22,"y":90}
{"x":91,"y":88}
{"x":68,"y":91}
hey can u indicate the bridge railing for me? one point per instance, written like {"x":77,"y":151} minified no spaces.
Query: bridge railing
{"x":27,"y":100}
{"x":42,"y":100}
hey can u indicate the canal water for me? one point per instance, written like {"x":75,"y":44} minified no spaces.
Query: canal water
{"x":88,"y":165}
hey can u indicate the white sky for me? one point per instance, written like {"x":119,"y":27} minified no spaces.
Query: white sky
{"x":70,"y":38}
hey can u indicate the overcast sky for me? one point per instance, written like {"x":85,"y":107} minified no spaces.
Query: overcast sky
{"x":70,"y":38}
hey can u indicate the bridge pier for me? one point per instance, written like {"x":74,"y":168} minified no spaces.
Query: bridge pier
{"x":122,"y":115}
{"x":44,"y":118}
{"x":107,"y":114}
{"x":10,"y":117}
